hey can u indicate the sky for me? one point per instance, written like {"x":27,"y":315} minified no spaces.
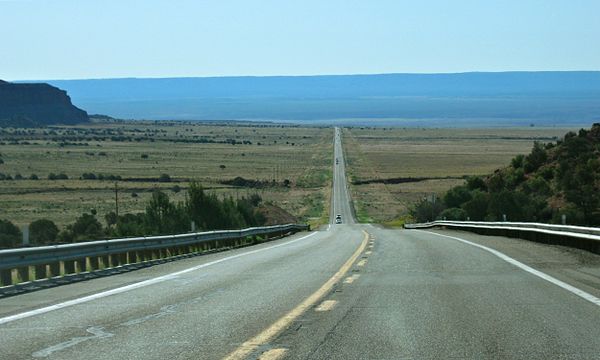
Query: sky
{"x":75,"y":39}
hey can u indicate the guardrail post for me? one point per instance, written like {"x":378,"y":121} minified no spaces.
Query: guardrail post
{"x":80,"y":265}
{"x":111,"y":260}
{"x":39,"y":272}
{"x":22,"y":274}
{"x":5,"y":277}
{"x":122,"y":258}
{"x":103,"y":262}
{"x":92,"y":263}
{"x":53,"y":269}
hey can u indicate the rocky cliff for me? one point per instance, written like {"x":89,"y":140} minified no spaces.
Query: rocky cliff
{"x":37,"y":104}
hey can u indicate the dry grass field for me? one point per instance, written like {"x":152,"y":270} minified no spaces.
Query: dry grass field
{"x":442,"y":155}
{"x":140,"y":152}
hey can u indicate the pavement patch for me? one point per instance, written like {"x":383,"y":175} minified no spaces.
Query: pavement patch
{"x":351,"y":279}
{"x":326,"y":305}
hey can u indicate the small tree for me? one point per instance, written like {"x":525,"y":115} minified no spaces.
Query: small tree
{"x":426,"y":210}
{"x":10,"y":235}
{"x":517,"y":161}
{"x":111,"y":218}
{"x":165,"y":217}
{"x":476,"y":183}
{"x":536,"y":159}
{"x":43,"y":231}
{"x":86,"y":227}
{"x":476,"y":208}
{"x":457,"y":196}
{"x":454,"y":214}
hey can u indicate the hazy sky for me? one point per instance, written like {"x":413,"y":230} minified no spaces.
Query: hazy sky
{"x":67,"y":39}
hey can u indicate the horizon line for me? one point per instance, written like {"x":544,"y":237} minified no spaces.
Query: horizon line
{"x":306,"y":76}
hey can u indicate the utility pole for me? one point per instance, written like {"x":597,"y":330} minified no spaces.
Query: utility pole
{"x":117,"y":200}
{"x":433,"y":198}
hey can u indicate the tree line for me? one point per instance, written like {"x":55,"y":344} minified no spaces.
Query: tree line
{"x":162,"y":216}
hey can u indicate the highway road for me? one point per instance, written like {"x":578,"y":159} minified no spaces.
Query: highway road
{"x":340,"y":203}
{"x":347,"y":291}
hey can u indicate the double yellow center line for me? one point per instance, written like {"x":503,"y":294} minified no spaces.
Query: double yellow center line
{"x":285,"y":321}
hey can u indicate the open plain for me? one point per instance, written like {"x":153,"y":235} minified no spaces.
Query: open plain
{"x":287,"y":166}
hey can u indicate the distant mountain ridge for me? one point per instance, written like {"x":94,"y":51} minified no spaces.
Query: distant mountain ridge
{"x":37,"y":104}
{"x":523,"y":96}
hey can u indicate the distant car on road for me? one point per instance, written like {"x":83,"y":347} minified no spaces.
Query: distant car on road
{"x":338,"y":219}
{"x":337,"y":161}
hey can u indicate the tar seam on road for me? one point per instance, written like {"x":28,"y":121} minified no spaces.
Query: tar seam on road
{"x":137,"y":285}
{"x":587,"y":296}
{"x":284,"y":322}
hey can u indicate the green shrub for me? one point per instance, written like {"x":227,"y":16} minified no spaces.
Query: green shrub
{"x":456,"y":196}
{"x":455,"y":214}
{"x":43,"y":232}
{"x":476,"y":208}
{"x":86,"y":227}
{"x":10,"y":235}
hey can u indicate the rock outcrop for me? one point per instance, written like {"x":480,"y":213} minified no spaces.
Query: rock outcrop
{"x":37,"y":104}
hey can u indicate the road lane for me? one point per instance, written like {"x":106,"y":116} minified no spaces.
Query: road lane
{"x":422,"y":296}
{"x":201,"y":315}
{"x":340,"y":198}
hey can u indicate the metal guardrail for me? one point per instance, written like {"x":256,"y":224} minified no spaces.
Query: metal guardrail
{"x":28,"y":264}
{"x":586,"y":238}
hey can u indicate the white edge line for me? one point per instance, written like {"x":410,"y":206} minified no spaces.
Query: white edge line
{"x":587,"y":296}
{"x":531,"y":229}
{"x":137,"y":285}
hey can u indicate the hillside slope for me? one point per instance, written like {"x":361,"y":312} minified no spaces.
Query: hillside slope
{"x":555,"y":179}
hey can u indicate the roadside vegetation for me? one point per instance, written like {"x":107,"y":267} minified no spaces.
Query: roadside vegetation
{"x":557,"y":181}
{"x":162,"y":216}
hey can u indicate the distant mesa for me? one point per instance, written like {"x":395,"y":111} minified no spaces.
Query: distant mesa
{"x":27,"y":105}
{"x":466,"y":99}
